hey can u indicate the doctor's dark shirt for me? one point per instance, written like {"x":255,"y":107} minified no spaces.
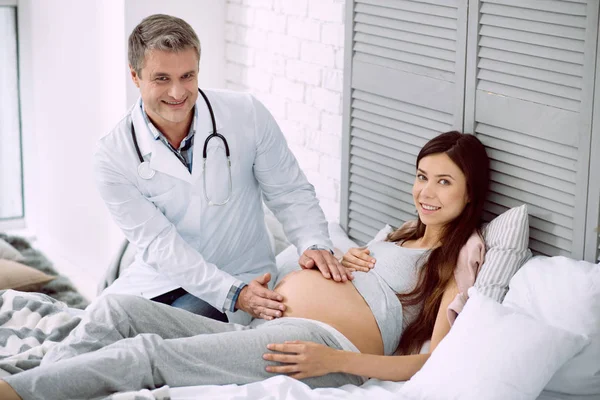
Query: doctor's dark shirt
{"x":185,"y":155}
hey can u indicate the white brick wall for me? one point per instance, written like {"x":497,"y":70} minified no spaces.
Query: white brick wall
{"x":289,"y":54}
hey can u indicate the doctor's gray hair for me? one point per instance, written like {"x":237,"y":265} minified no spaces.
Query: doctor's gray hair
{"x":160,"y":32}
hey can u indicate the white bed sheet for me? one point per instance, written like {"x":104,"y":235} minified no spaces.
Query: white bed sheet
{"x":282,"y":387}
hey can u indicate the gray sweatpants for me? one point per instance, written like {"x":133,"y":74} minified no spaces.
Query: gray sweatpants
{"x":129,"y":343}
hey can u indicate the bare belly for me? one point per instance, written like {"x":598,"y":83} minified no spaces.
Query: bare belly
{"x":307,"y":294}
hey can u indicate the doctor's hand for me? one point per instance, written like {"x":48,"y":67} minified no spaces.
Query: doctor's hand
{"x":358,"y":259}
{"x":257,"y":300}
{"x":326,"y":263}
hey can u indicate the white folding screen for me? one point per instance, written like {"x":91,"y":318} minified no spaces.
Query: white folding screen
{"x":524,"y":85}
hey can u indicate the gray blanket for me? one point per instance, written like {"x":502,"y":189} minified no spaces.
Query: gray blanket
{"x":60,"y":288}
{"x":31,"y":324}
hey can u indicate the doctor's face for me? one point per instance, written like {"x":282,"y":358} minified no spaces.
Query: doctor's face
{"x":168,"y":84}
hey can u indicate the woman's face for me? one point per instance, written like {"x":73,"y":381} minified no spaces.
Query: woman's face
{"x":440,"y":190}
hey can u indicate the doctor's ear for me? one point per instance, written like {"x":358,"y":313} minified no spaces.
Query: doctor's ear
{"x":134,"y":76}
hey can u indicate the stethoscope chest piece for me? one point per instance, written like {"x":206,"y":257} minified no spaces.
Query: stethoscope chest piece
{"x":145,"y":171}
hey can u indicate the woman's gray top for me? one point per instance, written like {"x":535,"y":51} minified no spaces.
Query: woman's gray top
{"x":396,"y":271}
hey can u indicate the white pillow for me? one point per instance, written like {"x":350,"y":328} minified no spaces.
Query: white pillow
{"x":493,"y":352}
{"x":564,"y":293}
{"x":381,"y":235}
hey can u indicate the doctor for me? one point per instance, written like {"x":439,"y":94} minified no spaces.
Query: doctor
{"x":184,"y":175}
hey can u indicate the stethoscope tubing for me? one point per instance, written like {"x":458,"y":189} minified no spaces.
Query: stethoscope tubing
{"x":145,"y":172}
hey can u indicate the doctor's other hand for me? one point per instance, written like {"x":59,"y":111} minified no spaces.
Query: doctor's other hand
{"x":358,"y":259}
{"x":257,"y":300}
{"x":326,"y":263}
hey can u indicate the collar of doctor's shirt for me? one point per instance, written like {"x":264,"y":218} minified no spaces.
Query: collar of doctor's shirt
{"x":161,"y":158}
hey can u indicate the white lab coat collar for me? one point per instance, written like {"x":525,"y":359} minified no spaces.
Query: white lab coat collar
{"x":161,"y":157}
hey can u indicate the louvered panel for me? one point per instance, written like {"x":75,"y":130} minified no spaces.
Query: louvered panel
{"x":556,"y":6}
{"x":389,"y":113}
{"x":360,"y":232}
{"x":384,"y":161}
{"x":528,"y":153}
{"x":540,"y":14}
{"x":442,"y":67}
{"x":367,"y":174}
{"x":364,"y":129}
{"x":379,"y":217}
{"x":532,"y":37}
{"x":567,"y":56}
{"x":543,"y":64}
{"x":389,"y":208}
{"x":387,"y":142}
{"x":425,"y":54}
{"x":390,"y":153}
{"x":530,"y":198}
{"x":536,"y":97}
{"x":541,"y":191}
{"x":550,"y":239}
{"x":543,"y":213}
{"x":493,"y":209}
{"x":541,"y":248}
{"x":528,"y":72}
{"x":379,"y":60}
{"x":402,"y":126}
{"x":383,"y":170}
{"x":405,"y":107}
{"x":532,"y":26}
{"x":406,"y":35}
{"x":400,"y":207}
{"x":422,"y":16}
{"x":565,"y":44}
{"x":447,"y":10}
{"x":366,"y":220}
{"x":560,"y":148}
{"x":361,"y":185}
{"x":531,"y":165}
{"x":531,"y":176}
{"x":564,"y":93}
{"x":536,"y":171}
{"x":424,"y":31}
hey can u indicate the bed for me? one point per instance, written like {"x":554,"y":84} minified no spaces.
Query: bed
{"x":52,"y":320}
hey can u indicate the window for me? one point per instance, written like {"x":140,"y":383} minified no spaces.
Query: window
{"x":11,"y":167}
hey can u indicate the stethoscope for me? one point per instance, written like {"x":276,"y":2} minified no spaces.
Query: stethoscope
{"x":146,"y":172}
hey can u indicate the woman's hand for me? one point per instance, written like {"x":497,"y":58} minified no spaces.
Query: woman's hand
{"x":302,"y":359}
{"x":358,"y":259}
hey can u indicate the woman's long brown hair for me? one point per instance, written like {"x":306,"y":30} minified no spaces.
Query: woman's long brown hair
{"x":468,"y":153}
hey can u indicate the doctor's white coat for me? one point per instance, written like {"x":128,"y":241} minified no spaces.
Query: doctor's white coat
{"x":180,"y":240}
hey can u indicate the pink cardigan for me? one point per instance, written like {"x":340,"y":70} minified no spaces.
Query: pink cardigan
{"x":469,"y":261}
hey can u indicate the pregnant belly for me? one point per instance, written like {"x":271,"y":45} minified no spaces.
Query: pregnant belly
{"x":307,"y":294}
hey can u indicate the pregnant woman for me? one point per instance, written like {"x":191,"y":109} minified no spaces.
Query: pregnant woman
{"x":331,"y":334}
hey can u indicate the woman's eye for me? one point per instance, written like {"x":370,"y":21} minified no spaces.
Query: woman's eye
{"x":444,"y":181}
{"x":421,"y":177}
